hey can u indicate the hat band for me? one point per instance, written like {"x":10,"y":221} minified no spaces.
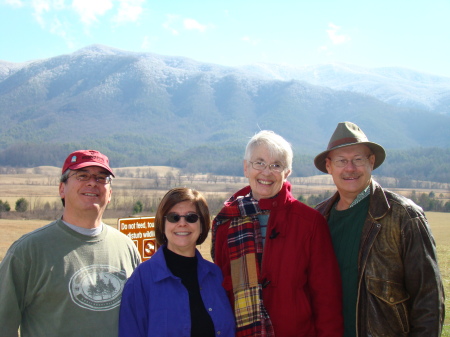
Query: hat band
{"x":348,"y":140}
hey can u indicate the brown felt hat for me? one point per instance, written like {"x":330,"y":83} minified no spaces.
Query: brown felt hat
{"x":347,"y":134}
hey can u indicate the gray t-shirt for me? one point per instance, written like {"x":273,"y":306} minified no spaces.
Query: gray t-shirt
{"x":56,"y":282}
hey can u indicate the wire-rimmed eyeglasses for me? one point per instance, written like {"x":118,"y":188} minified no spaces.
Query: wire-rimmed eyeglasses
{"x":85,"y":176}
{"x":357,"y":161}
{"x":261,"y":166}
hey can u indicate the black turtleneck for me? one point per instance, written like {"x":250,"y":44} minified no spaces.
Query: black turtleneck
{"x":186,"y":269}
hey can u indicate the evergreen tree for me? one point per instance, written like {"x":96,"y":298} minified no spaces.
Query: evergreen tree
{"x":21,"y":205}
{"x":4,"y":206}
{"x":138,"y":207}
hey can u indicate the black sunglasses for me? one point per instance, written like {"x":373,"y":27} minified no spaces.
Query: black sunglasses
{"x":174,"y":217}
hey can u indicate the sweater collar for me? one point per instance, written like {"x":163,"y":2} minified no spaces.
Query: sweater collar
{"x":163,"y":272}
{"x":378,"y":207}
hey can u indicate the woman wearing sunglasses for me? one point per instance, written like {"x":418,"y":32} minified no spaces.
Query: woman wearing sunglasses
{"x":177,"y":292}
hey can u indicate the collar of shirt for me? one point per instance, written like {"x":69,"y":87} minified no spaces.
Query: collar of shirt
{"x":361,"y":196}
{"x":85,"y":231}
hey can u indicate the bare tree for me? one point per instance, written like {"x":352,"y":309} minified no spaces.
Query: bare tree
{"x":169,"y":178}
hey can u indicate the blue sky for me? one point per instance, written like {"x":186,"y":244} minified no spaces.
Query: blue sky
{"x":411,"y":34}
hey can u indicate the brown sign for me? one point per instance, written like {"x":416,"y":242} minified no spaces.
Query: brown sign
{"x":142,"y":232}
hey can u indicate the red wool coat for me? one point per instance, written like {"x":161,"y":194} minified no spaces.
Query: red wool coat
{"x":303,"y":295}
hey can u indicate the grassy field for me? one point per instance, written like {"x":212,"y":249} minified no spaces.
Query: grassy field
{"x":440,"y":225}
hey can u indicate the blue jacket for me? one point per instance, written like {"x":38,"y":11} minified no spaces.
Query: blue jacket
{"x":156,"y":303}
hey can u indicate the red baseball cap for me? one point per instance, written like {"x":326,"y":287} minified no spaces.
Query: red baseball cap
{"x":84,"y":158}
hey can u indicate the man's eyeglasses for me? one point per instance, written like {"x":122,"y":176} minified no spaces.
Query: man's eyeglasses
{"x":261,"y":166}
{"x":85,"y":176}
{"x":357,"y":161}
{"x":174,"y":217}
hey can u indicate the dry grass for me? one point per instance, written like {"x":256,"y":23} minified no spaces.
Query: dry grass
{"x":440,"y":224}
{"x":13,"y":229}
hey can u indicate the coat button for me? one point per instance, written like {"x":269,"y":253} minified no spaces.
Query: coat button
{"x":218,"y":333}
{"x":210,"y":309}
{"x":392,"y":300}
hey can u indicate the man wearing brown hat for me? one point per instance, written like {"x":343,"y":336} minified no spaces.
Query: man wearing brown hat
{"x":386,"y":252}
{"x":66,"y":278}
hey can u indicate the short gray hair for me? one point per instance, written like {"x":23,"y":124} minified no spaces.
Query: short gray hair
{"x":277,"y":146}
{"x":64,"y":176}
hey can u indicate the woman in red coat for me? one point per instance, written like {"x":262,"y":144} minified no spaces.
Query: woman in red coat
{"x":276,"y":253}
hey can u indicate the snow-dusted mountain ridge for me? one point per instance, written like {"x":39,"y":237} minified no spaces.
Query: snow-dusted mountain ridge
{"x":146,"y":108}
{"x":398,"y":86}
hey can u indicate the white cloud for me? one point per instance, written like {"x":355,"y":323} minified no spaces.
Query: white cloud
{"x":129,"y":11}
{"x":89,"y":10}
{"x":57,"y":16}
{"x":334,"y":36}
{"x":59,"y":4}
{"x":191,"y":24}
{"x":14,"y":3}
{"x":57,"y":28}
{"x":171,"y":19}
{"x":175,"y":24}
{"x":62,"y":30}
{"x":40,"y":7}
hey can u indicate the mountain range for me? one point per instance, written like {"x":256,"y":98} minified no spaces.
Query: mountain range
{"x":149,"y":109}
{"x":396,"y":86}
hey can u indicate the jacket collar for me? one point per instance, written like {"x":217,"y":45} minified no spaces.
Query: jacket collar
{"x":161,"y":271}
{"x":378,"y":207}
{"x":280,"y":199}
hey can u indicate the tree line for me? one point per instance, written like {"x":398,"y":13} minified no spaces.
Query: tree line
{"x":407,"y":166}
{"x":428,"y":201}
{"x":21,"y":206}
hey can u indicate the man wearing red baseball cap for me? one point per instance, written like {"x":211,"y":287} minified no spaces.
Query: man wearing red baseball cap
{"x":84,"y":158}
{"x":66,"y":278}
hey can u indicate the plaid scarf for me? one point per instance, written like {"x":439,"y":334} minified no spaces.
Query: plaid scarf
{"x":245,"y":247}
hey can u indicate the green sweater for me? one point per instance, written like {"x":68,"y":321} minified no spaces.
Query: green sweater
{"x":345,"y":228}
{"x":57,"y":282}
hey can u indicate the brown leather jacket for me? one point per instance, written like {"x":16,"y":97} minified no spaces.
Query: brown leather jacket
{"x":400,"y":287}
